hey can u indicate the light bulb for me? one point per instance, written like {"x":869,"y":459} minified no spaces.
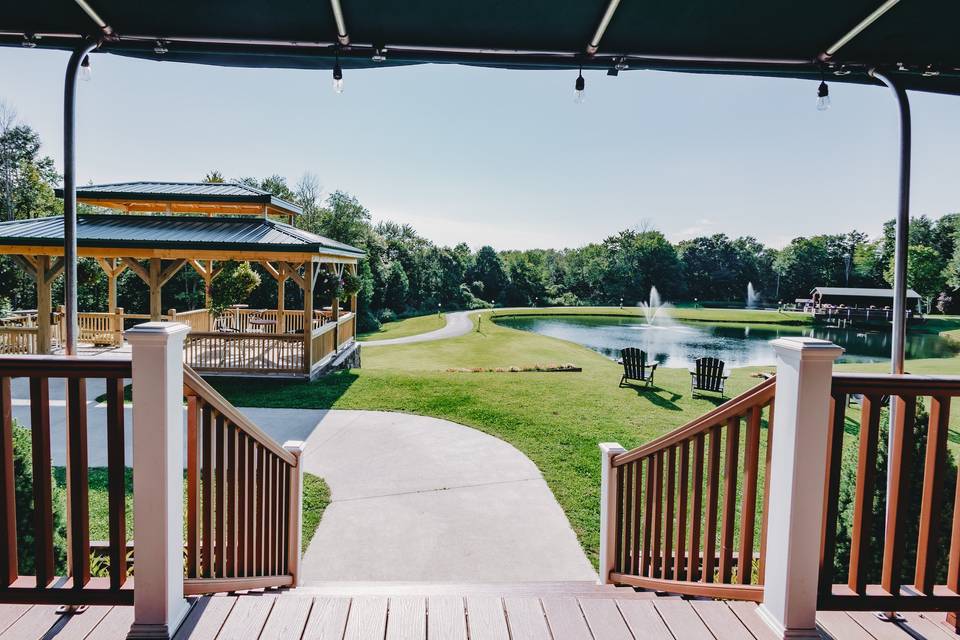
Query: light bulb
{"x":337,"y":78}
{"x":86,"y":71}
{"x":578,"y":89}
{"x":823,"y":97}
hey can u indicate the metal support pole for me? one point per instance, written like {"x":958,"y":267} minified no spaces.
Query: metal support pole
{"x":903,"y":228}
{"x":70,"y":195}
{"x":901,"y":244}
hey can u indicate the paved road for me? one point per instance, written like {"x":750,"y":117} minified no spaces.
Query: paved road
{"x":458,"y":324}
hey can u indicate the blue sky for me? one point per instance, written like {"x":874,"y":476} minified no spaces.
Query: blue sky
{"x":505,"y":157}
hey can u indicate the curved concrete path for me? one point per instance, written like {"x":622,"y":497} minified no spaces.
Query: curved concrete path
{"x":458,"y":324}
{"x":417,"y":498}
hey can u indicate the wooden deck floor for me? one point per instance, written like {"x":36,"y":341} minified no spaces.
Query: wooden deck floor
{"x":478,"y":616}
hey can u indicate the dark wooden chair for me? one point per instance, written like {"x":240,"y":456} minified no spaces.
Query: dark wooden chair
{"x":708,"y":376}
{"x":636,"y":367}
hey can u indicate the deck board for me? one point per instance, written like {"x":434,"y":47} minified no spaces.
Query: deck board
{"x":526,"y":619}
{"x":446,"y":619}
{"x":566,"y":619}
{"x":328,"y":618}
{"x":454,"y":617}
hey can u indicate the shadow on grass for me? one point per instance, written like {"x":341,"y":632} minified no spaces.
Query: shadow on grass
{"x":656,"y":395}
{"x":294,"y":394}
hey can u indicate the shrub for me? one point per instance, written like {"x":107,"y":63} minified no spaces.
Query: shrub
{"x":23,"y":475}
{"x":876,"y":536}
{"x":234,"y":284}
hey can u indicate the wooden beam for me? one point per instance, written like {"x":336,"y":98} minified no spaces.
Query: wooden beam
{"x":273,"y":271}
{"x":111,"y":266}
{"x":170,"y":271}
{"x":44,"y":307}
{"x":137,"y":268}
{"x":155,"y":288}
{"x":54,"y":270}
{"x":199,"y":267}
{"x":28,"y":264}
{"x":144,"y":253}
{"x":294,"y":273}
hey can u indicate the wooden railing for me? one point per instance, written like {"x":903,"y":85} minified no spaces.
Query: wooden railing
{"x":322,"y":343}
{"x":916,"y":558}
{"x":243,"y":353}
{"x":676,"y":519}
{"x":200,"y":320}
{"x":347,"y":328}
{"x":19,"y":340}
{"x":72,"y":584}
{"x":104,"y":329}
{"x":241,"y":497}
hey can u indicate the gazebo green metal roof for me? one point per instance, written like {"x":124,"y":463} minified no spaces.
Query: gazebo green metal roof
{"x":182,"y":233}
{"x":146,"y":195}
{"x":914,"y":40}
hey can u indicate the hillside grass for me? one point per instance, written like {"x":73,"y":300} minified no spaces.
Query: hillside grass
{"x":405,"y":328}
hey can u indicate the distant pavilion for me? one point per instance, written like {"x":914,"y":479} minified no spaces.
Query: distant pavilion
{"x":165,"y":226}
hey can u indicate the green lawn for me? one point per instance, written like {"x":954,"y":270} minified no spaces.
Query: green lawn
{"x":406,"y":327}
{"x":556,"y":419}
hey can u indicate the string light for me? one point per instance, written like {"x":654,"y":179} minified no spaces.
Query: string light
{"x":578,"y":88}
{"x":823,"y":95}
{"x":86,"y":71}
{"x":337,"y":75}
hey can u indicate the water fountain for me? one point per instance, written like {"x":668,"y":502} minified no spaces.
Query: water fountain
{"x":752,"y":296}
{"x":655,"y":310}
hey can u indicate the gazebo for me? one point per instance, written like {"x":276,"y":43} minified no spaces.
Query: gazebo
{"x":166,"y":226}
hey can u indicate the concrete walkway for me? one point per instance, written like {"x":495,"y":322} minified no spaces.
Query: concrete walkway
{"x":458,"y":324}
{"x":414,"y":498}
{"x":418,"y":498}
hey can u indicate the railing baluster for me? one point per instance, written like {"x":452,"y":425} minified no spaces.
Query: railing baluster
{"x":931,"y":501}
{"x":900,"y":466}
{"x":645,"y":566}
{"x":77,"y":488}
{"x":669,"y":514}
{"x":634,"y":565}
{"x":713,"y":489}
{"x":696,"y":511}
{"x":748,"y":508}
{"x":766,"y":494}
{"x":117,"y":482}
{"x":207,"y":483}
{"x":683,"y":484}
{"x":863,"y":498}
{"x":831,"y":489}
{"x":8,"y":533}
{"x":42,"y":480}
{"x":220,"y":528}
{"x":242,"y":513}
{"x":261,"y":514}
{"x":657,"y":514}
{"x":620,"y":520}
{"x":627,"y":472}
{"x":193,"y":486}
{"x":730,"y":473}
{"x":231,"y":499}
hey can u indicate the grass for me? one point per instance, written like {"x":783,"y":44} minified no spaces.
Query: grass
{"x":316,"y":497}
{"x":406,"y":327}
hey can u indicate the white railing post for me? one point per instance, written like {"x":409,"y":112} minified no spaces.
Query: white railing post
{"x":295,"y":510}
{"x":798,"y":465}
{"x":159,"y":605}
{"x":608,"y":507}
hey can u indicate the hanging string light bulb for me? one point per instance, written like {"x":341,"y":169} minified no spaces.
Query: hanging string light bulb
{"x":86,"y":71}
{"x":823,"y":94}
{"x":337,"y":75}
{"x":578,"y":88}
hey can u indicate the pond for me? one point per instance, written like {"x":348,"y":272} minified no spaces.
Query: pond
{"x":679,"y":344}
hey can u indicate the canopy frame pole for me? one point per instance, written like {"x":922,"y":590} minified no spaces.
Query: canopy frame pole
{"x":342,"y":36}
{"x":901,"y":244}
{"x":594,"y":45}
{"x":857,"y":30}
{"x":70,"y":194}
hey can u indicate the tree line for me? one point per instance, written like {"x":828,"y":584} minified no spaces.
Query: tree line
{"x":406,"y":273}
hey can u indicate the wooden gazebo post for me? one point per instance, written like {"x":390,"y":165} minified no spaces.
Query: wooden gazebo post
{"x":309,"y":278}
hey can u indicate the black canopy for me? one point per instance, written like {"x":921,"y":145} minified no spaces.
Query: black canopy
{"x":914,"y":40}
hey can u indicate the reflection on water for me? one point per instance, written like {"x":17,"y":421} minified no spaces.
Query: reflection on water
{"x":678,"y":345}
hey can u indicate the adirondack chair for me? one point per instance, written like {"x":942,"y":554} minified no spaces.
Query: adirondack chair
{"x":635,"y":366}
{"x":708,"y":376}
